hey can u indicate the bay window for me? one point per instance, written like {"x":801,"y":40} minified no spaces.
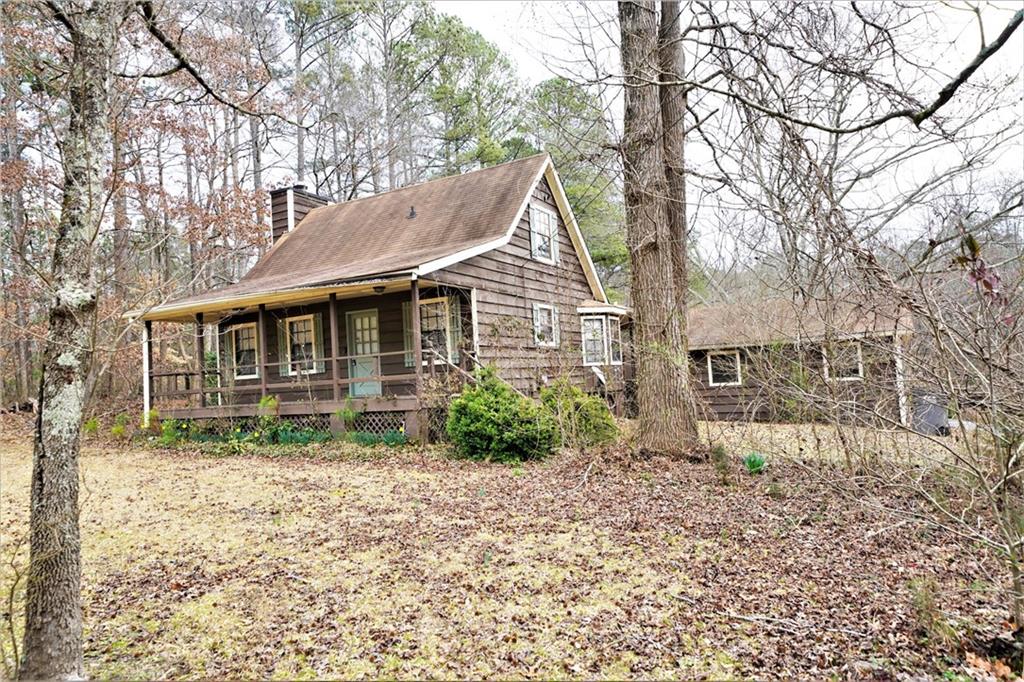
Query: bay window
{"x":602,"y":340}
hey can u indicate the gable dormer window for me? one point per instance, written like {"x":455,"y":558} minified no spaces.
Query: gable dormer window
{"x":543,"y":234}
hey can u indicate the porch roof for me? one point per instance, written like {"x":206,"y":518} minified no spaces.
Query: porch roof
{"x":212,"y":308}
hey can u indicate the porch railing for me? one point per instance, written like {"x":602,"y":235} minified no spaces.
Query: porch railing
{"x":219,"y":387}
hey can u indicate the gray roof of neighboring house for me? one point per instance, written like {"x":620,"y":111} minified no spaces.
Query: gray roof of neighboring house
{"x":756,"y":322}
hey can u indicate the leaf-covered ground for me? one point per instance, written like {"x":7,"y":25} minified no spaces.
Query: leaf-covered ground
{"x":414,"y":565}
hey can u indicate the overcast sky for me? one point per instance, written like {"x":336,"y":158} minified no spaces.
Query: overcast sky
{"x":520,"y":28}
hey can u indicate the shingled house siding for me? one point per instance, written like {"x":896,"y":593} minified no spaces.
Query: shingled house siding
{"x":508,"y":282}
{"x":767,"y":393}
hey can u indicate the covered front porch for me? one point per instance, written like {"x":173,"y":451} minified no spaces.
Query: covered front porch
{"x":389,"y":345}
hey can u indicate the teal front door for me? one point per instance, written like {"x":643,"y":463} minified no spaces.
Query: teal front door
{"x":363,"y":347}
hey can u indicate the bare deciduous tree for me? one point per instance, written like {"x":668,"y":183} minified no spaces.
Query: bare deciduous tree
{"x":53,"y":612}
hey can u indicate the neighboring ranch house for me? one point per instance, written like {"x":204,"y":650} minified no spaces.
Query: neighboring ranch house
{"x":374,"y":303}
{"x":771,"y":360}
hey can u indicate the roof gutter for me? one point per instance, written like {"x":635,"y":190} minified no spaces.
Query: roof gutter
{"x":174,"y":312}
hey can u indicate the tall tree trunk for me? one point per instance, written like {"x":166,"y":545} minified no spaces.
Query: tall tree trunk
{"x":673,"y":110}
{"x":672,"y":99}
{"x":663,"y":394}
{"x":53,"y":611}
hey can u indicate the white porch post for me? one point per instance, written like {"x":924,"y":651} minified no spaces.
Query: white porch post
{"x":475,"y":323}
{"x":146,"y":357}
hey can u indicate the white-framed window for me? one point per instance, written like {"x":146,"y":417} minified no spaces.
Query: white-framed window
{"x":543,"y":234}
{"x":724,"y":368}
{"x":301,"y":344}
{"x":602,"y":340}
{"x":243,"y":347}
{"x":843,"y":361}
{"x":595,"y":348}
{"x":545,"y":325}
{"x":615,"y":340}
{"x":440,"y":329}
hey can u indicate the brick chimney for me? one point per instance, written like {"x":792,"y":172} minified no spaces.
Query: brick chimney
{"x":289,"y":205}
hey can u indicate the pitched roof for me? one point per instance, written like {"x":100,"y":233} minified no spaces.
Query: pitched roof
{"x":418,"y":229}
{"x":765,"y":321}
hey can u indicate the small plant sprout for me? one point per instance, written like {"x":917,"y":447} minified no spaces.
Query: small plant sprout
{"x":91,"y":426}
{"x":755,"y":463}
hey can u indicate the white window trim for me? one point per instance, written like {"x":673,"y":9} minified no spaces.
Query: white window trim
{"x":739,"y":368}
{"x":606,"y":331}
{"x":609,"y":321}
{"x":860,"y":363}
{"x":447,"y":326}
{"x":553,"y":343}
{"x":234,"y":348}
{"x":288,"y":343}
{"x":583,"y":340}
{"x":553,"y":223}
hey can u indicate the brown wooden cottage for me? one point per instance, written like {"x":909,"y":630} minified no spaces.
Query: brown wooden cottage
{"x":373,"y":303}
{"x":773,"y":360}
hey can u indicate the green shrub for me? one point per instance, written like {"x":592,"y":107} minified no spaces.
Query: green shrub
{"x":583,"y":420}
{"x":348,"y":415}
{"x":231,"y":448}
{"x":755,"y":462}
{"x":289,"y":435}
{"x":120,"y":427}
{"x":91,"y":426}
{"x":394,"y":438}
{"x":170,"y":432}
{"x":490,"y":421}
{"x":364,"y":438}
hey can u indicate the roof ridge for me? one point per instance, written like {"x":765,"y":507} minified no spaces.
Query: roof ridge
{"x":427,"y":182}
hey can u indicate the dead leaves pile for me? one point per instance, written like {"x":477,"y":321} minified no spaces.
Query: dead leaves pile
{"x":420,"y":566}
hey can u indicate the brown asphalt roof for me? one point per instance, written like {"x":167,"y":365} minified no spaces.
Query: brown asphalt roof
{"x":766,"y":321}
{"x":375,"y":235}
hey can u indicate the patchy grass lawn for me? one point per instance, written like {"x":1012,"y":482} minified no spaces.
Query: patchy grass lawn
{"x":413,"y":565}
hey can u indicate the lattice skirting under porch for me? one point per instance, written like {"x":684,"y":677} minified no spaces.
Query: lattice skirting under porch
{"x":225,"y":425}
{"x":437,"y":419}
{"x":379,"y":423}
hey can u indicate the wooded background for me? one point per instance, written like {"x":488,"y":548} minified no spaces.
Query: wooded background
{"x":348,"y":98}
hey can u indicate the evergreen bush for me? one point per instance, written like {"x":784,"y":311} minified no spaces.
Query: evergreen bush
{"x":583,"y":420}
{"x":490,"y":421}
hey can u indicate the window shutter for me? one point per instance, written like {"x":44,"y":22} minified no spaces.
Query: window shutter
{"x":318,"y":344}
{"x":410,"y":357}
{"x":455,"y":324}
{"x":284,"y":369}
{"x":228,"y":351}
{"x":555,"y":331}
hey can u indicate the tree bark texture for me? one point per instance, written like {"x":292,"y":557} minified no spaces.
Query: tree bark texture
{"x":662,"y":375}
{"x":672,"y":98}
{"x":53,"y":614}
